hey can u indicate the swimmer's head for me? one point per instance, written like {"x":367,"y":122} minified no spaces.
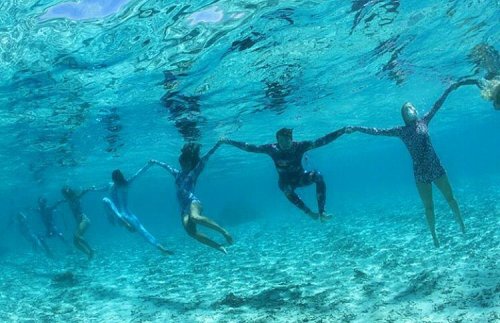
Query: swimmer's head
{"x":118,"y":178}
{"x":496,"y":97}
{"x":190,"y":156}
{"x":409,"y":113}
{"x":284,"y":136}
{"x":68,"y":192}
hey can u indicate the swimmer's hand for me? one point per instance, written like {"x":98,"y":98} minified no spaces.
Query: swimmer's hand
{"x":223,"y":140}
{"x":349,"y":129}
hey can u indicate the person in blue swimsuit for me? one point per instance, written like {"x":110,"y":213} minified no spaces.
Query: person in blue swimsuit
{"x":427,"y":167}
{"x":287,"y":157}
{"x":191,"y":208}
{"x":73,"y":198}
{"x":47,"y":215}
{"x":117,"y":205}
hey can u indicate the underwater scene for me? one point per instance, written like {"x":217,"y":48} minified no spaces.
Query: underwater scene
{"x":250,"y":161}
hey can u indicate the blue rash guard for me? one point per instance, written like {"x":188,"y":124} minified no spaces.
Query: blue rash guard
{"x":117,"y":203}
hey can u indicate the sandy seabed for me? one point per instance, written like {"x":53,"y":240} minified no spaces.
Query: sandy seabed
{"x":368,"y":266}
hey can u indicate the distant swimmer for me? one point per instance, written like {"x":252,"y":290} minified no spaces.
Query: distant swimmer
{"x":36,"y":241}
{"x":73,"y":199}
{"x":287,"y":157}
{"x":487,"y":62}
{"x":191,"y":208}
{"x":117,"y":205}
{"x":427,"y":167}
{"x":47,"y":215}
{"x":490,"y":90}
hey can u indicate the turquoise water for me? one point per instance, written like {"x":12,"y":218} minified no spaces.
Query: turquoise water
{"x":113,"y":84}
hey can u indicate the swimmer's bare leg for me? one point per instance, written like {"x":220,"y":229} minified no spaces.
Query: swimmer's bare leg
{"x":444,"y":186}
{"x":425,"y":191}
{"x":78,"y":240}
{"x":190,"y":227}
{"x":198,"y":218}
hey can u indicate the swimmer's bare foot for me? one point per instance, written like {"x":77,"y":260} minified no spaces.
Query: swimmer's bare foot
{"x":228,"y":237}
{"x":221,"y":248}
{"x":165,"y":250}
{"x":313,"y":215}
{"x":436,"y":242}
{"x":324,"y":217}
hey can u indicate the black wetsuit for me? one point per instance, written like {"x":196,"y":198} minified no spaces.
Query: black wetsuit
{"x":47,"y":214}
{"x":291,"y":173}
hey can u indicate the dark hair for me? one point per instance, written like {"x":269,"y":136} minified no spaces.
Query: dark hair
{"x":118,"y":178}
{"x":190,"y":155}
{"x":284,"y":132}
{"x":68,"y":191}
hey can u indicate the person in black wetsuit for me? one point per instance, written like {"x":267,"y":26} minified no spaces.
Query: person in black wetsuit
{"x":82,"y":221}
{"x":427,"y":167}
{"x":185,"y":182}
{"x":287,"y":157}
{"x":47,"y":214}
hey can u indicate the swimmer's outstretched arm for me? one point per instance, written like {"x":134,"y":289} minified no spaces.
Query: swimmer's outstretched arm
{"x":85,"y":191}
{"x":199,"y":168}
{"x":102,"y":188}
{"x":391,"y":132}
{"x":439,"y":103}
{"x":57,"y":204}
{"x":169,"y":168}
{"x":140,"y":172}
{"x":325,"y":140}
{"x":207,"y":156}
{"x":247,"y":147}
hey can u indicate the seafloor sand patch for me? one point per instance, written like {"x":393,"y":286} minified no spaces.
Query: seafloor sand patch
{"x":370,"y":266}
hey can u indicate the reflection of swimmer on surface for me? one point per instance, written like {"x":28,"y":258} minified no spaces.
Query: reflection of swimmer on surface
{"x":191,"y":209}
{"x":427,"y":167}
{"x":82,"y":221}
{"x":117,"y":205}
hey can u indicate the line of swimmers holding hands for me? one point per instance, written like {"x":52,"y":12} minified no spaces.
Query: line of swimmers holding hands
{"x":287,"y":156}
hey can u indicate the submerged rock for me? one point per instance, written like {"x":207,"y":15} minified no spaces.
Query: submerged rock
{"x":66,"y":277}
{"x":358,"y":274}
{"x":232,"y":300}
{"x":423,"y":283}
